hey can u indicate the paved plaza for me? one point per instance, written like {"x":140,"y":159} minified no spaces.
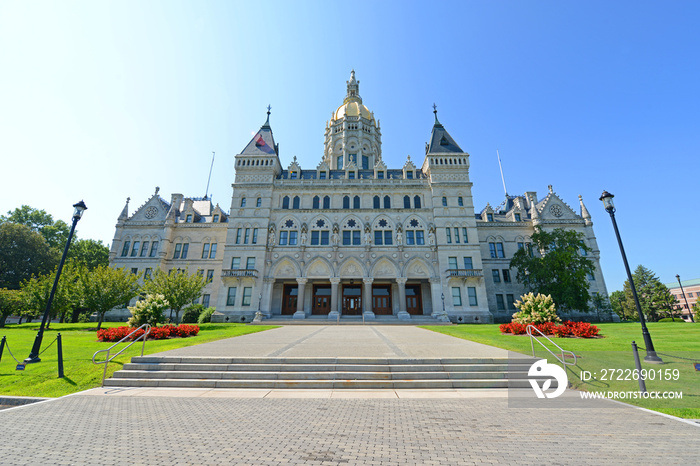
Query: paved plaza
{"x":392,"y":427}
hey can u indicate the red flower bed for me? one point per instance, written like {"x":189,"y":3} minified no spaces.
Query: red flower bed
{"x":568,"y":328}
{"x":156,"y":333}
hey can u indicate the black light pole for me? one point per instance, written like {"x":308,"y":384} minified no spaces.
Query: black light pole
{"x":443,"y":302}
{"x":34,"y":355}
{"x":690,"y":312}
{"x":651,"y":356}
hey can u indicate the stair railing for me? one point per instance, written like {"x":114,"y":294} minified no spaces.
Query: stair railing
{"x":562,"y":351}
{"x":147,"y":330}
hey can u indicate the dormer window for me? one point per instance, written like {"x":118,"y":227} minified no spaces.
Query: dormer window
{"x":517,"y":217}
{"x":216,"y":218}
{"x":351,"y":175}
{"x":293,"y":175}
{"x":380,"y":175}
{"x":188,"y":219}
{"x":409,"y":175}
{"x":443,"y":141}
{"x":322,"y":175}
{"x":489,"y":217}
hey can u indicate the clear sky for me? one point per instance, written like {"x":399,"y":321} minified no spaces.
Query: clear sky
{"x":104,"y":100}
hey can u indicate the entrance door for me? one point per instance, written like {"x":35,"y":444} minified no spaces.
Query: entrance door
{"x":289,"y":299}
{"x":381,"y":299}
{"x":414,"y":305}
{"x":322,"y":300}
{"x":352,"y":300}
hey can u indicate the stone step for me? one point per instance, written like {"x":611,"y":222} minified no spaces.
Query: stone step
{"x":325,"y":367}
{"x":282,"y":375}
{"x":320,"y":384}
{"x":329,"y":373}
{"x":301,"y":360}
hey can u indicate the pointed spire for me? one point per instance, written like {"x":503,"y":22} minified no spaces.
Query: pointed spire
{"x":437,"y":122}
{"x":125,"y":211}
{"x":353,"y":89}
{"x":584,"y":212}
{"x":533,"y":208}
{"x":267,"y":121}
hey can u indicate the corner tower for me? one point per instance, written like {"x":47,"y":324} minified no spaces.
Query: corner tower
{"x":352,"y":134}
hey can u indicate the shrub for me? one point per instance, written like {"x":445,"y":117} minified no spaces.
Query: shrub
{"x":157,"y":333}
{"x":547,"y":328}
{"x":668,"y":319}
{"x":192,"y":313}
{"x":205,"y":316}
{"x":535,"y":309}
{"x":148,"y":311}
{"x":584,"y":330}
{"x":561,"y":331}
{"x":505,"y":328}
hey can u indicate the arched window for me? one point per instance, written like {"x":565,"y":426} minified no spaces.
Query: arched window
{"x":243,"y":202}
{"x":356,"y":202}
{"x":285,"y":202}
{"x":416,"y":202}
{"x":295,"y":202}
{"x":376,"y":202}
{"x":387,"y":202}
{"x":258,"y":203}
{"x":444,"y":201}
{"x":346,"y":202}
{"x":407,"y":202}
{"x":326,"y":202}
{"x":316,"y":202}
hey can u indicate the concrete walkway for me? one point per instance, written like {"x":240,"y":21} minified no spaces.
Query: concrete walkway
{"x":323,"y":427}
{"x":342,"y":341}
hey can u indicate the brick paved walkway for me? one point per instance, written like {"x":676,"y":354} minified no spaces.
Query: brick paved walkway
{"x":93,"y":430}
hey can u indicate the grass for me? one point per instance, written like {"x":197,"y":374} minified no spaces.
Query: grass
{"x":79,"y":344}
{"x":614,"y":351}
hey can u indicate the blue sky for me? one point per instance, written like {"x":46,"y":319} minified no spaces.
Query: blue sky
{"x":104,"y":100}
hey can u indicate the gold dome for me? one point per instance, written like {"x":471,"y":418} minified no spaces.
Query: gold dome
{"x":353,"y":109}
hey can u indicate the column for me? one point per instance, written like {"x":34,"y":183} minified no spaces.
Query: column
{"x":368,"y":314}
{"x":403,"y":314}
{"x":436,"y":291}
{"x":266,"y":304}
{"x":300,"y":314}
{"x":335,"y":311}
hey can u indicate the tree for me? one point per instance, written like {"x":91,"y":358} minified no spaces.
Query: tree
{"x":654,"y":297}
{"x":23,"y":253}
{"x":148,"y":311}
{"x":179,"y":288}
{"x":626,"y":310}
{"x":535,"y":309}
{"x":89,"y":252}
{"x":55,"y":233}
{"x":11,"y":303}
{"x":560,"y":271}
{"x":602,"y":307}
{"x":104,"y":288}
{"x":38,"y":289}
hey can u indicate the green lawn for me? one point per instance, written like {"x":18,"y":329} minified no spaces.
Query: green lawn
{"x":79,"y":344}
{"x":614,"y":351}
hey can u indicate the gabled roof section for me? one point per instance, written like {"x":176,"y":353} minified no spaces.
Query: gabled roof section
{"x":263,"y":143}
{"x":440,"y":140}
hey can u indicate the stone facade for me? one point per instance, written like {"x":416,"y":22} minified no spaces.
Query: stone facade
{"x":350,"y":236}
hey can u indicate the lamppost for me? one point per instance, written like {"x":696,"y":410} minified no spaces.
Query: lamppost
{"x":651,"y":356}
{"x":80,"y":207}
{"x":690,"y":312}
{"x":442,"y":296}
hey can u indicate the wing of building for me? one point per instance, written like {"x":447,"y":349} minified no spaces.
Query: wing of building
{"x":348,"y":237}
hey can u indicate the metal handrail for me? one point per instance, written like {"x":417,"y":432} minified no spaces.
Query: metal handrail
{"x":147,"y":330}
{"x":562,"y":360}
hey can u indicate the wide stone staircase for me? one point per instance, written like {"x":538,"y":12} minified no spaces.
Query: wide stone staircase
{"x":322,"y":373}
